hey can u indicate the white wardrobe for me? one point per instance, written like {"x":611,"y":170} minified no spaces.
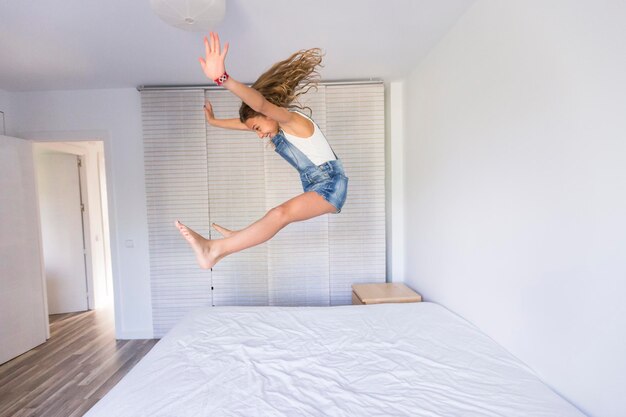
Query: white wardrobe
{"x":199,"y":174}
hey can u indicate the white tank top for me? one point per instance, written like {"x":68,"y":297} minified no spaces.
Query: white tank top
{"x":315,"y":147}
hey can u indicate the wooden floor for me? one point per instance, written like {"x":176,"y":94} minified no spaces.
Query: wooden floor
{"x":69,"y":373}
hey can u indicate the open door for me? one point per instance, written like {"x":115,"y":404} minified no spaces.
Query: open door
{"x":63,"y":231}
{"x":24,"y":319}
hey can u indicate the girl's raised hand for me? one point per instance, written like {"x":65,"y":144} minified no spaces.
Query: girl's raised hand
{"x":213,"y":63}
{"x":208,"y":111}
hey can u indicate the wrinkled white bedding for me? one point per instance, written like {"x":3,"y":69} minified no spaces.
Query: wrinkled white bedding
{"x":414,"y":359}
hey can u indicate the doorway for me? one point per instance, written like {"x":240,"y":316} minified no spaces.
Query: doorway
{"x":74,"y":225}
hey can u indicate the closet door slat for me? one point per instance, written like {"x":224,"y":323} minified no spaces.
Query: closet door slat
{"x":356,"y":129}
{"x":236,"y":186}
{"x":176,"y":178}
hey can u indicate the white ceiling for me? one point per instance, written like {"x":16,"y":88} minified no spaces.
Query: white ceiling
{"x":86,"y":44}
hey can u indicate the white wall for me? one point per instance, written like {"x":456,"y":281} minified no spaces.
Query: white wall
{"x":394,"y":177}
{"x":516,"y":187}
{"x":113,"y":116}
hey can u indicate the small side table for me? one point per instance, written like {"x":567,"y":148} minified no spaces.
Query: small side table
{"x":383,"y":293}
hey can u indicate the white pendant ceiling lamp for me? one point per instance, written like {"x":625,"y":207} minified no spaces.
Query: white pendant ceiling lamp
{"x":192,"y":15}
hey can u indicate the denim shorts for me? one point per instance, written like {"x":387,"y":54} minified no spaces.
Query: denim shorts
{"x":328,"y":180}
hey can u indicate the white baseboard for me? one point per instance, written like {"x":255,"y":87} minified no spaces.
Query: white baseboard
{"x":133,"y":334}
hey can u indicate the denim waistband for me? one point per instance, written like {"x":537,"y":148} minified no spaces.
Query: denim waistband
{"x":312,"y":173}
{"x":332,"y":166}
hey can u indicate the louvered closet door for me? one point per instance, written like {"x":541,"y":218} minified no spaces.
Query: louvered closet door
{"x":236,"y":164}
{"x":298,"y":261}
{"x":355,"y":126}
{"x":200,"y":174}
{"x":175,"y":157}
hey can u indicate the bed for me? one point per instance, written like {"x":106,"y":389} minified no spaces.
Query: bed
{"x":416,"y":359}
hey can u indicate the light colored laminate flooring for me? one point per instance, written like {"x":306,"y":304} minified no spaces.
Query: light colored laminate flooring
{"x":68,"y":374}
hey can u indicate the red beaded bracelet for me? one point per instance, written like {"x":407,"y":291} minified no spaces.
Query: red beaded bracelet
{"x":222,"y":78}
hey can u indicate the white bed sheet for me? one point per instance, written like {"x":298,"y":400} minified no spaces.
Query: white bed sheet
{"x":414,"y":359}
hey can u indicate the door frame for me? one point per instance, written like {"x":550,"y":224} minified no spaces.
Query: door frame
{"x":102,"y":136}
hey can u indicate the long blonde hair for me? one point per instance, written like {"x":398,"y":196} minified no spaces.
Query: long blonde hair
{"x":286,"y":80}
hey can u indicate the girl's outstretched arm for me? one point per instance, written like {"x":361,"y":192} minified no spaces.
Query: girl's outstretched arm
{"x":233,"y":124}
{"x":213,"y":67}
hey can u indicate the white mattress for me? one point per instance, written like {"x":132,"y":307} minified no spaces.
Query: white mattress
{"x":413,"y":359}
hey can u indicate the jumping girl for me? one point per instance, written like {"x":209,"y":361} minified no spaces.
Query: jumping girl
{"x":267,"y":109}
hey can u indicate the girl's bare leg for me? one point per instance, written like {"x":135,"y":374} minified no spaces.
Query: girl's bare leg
{"x":303,"y":207}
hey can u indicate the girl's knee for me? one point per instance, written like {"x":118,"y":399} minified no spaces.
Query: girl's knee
{"x":279,"y":214}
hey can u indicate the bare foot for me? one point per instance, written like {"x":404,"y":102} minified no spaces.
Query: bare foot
{"x":223,"y":231}
{"x":203,"y":248}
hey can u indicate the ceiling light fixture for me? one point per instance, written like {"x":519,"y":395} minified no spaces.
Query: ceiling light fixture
{"x":192,"y":15}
